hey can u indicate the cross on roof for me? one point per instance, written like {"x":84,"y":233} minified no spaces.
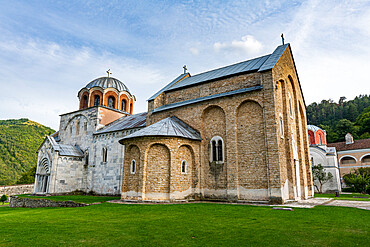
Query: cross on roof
{"x":108,"y":72}
{"x":185,"y":69}
{"x":282,"y":38}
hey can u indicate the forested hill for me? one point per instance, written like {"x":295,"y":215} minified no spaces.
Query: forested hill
{"x":19,"y":141}
{"x":339,"y":118}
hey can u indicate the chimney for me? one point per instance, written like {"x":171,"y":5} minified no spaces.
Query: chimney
{"x":349,"y":138}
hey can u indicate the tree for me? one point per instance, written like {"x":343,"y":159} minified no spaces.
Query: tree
{"x":359,"y":180}
{"x":3,"y":198}
{"x":320,"y":176}
{"x":28,"y":177}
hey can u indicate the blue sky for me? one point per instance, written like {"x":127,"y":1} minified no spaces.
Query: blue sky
{"x":49,"y":50}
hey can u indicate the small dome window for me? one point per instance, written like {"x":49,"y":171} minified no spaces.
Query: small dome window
{"x":111,"y":101}
{"x":97,"y":100}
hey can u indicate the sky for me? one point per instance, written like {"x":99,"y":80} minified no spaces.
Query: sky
{"x":49,"y":50}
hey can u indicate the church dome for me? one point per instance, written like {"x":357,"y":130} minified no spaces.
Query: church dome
{"x":107,"y":82}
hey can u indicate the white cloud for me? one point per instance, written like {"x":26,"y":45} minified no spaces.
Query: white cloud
{"x":194,"y":51}
{"x":41,"y":80}
{"x":247,"y":45}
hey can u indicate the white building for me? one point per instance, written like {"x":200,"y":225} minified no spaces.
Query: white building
{"x":85,"y":154}
{"x":324,"y":155}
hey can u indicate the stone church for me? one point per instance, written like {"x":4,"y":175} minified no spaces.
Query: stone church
{"x":236,"y":133}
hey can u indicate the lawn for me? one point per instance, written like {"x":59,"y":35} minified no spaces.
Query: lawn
{"x":352,"y":197}
{"x":196,"y":224}
{"x":75,"y":198}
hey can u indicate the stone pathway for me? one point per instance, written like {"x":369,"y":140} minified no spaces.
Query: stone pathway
{"x":353,"y":204}
{"x":309,"y":203}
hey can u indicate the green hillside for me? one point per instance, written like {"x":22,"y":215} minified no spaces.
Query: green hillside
{"x":338,"y":119}
{"x":19,"y":141}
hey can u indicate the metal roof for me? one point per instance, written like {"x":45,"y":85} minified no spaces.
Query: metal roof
{"x":273,"y":58}
{"x":128,"y":122}
{"x":171,"y":126}
{"x":168,"y":86}
{"x":247,"y":66}
{"x":68,"y":150}
{"x":259,"y":64}
{"x":197,"y":100}
{"x":107,"y":82}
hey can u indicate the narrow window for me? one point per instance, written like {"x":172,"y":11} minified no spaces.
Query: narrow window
{"x":320,"y":139}
{"x":183,"y":166}
{"x":290,"y":106}
{"x":281,"y":126}
{"x":86,"y":158}
{"x":312,"y":163}
{"x":78,"y":127}
{"x":219,"y":151}
{"x":85,"y":101}
{"x":133,"y":167}
{"x":105,"y":154}
{"x":123,"y":105}
{"x":97,"y":100}
{"x":214,"y":151}
{"x":85,"y":126}
{"x":111,"y":102}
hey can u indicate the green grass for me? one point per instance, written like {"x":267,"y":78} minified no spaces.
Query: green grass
{"x":351,"y":197}
{"x":75,"y":198}
{"x":204,"y":224}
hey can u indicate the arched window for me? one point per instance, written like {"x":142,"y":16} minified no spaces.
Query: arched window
{"x":111,"y":101}
{"x":183,"y":166}
{"x":320,"y":139}
{"x":133,"y":167}
{"x":217,"y":149}
{"x":85,"y":101}
{"x":123,"y":105}
{"x":105,"y":154}
{"x":348,"y":160}
{"x":97,"y":100}
{"x":366,"y":159}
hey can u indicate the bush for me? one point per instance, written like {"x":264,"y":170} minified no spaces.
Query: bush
{"x":4,"y":198}
{"x":348,"y":189}
{"x":359,"y":180}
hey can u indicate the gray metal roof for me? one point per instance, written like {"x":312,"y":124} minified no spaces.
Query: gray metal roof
{"x":128,"y":122}
{"x":214,"y":96}
{"x":168,"y":86}
{"x":254,"y":65}
{"x":246,"y":66}
{"x":107,"y":82}
{"x":69,"y":150}
{"x":273,"y":58}
{"x":171,"y":126}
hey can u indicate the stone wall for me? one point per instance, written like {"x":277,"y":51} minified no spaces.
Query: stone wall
{"x":11,"y":190}
{"x":21,"y":202}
